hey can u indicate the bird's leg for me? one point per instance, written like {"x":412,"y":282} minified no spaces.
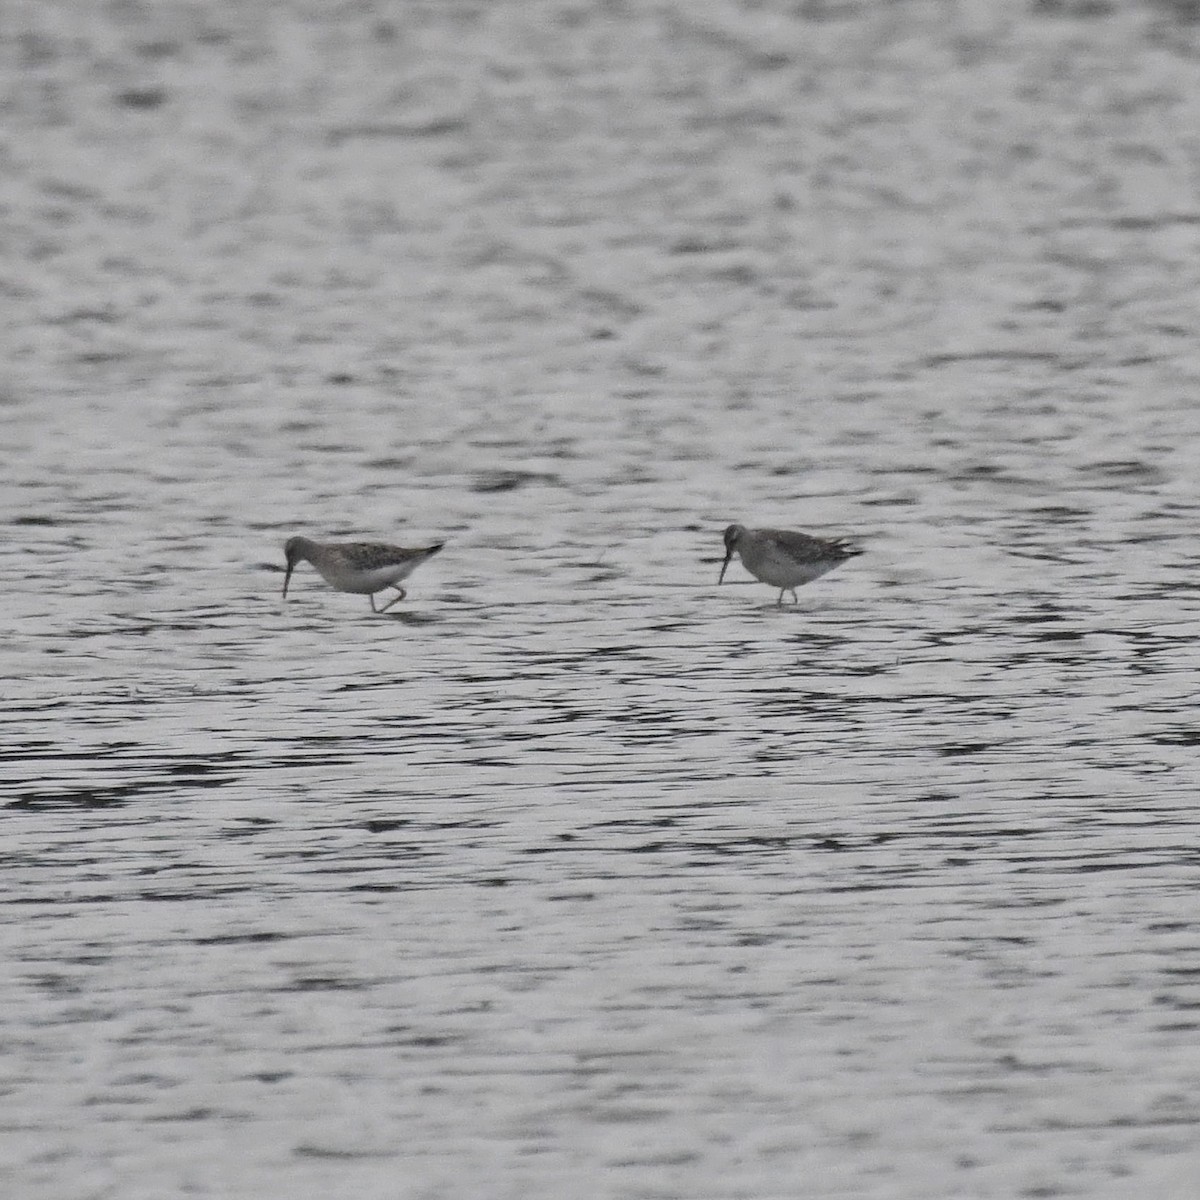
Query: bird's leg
{"x":779,"y":602}
{"x":795,"y":598}
{"x":400,"y":594}
{"x":371,"y":597}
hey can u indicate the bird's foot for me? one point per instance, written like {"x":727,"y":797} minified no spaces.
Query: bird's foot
{"x":400,"y":594}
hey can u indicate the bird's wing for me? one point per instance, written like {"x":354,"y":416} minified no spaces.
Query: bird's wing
{"x":800,"y":546}
{"x":372,"y":555}
{"x":803,"y":547}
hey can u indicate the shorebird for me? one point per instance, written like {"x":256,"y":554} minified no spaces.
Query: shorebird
{"x":782,"y":558}
{"x":360,"y":567}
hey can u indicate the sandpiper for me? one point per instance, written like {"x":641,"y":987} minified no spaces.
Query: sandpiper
{"x":360,"y":567}
{"x":782,"y":558}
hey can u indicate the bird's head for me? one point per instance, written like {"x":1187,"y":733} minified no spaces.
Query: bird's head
{"x":732,"y":536}
{"x":293,"y":552}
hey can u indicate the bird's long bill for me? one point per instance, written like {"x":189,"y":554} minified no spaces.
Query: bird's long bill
{"x":287,"y":578}
{"x":721,"y":577}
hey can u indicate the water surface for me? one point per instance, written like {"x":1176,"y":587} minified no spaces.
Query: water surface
{"x":575,"y":874}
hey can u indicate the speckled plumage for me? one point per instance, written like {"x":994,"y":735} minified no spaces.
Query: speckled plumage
{"x":784,"y":558}
{"x":360,"y":567}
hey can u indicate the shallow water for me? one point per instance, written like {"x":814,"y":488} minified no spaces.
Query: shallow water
{"x":576,"y":874}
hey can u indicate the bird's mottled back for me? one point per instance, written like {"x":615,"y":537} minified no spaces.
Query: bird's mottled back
{"x":371,"y":556}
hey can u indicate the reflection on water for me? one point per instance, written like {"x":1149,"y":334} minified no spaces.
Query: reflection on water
{"x":575,"y":873}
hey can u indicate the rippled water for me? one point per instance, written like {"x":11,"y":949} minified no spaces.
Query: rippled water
{"x":575,"y":874}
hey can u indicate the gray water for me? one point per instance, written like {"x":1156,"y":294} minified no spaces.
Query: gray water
{"x":576,"y":874}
